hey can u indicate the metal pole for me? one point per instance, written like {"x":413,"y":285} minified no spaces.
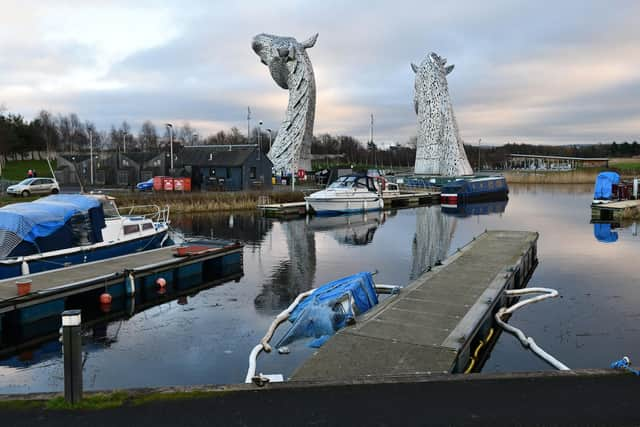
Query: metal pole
{"x":248,"y":125}
{"x":72,"y":348}
{"x":293,"y":177}
{"x":269,"y":130}
{"x":170,"y":126}
{"x":91,"y":154}
{"x":124,"y":142}
{"x":479,"y":153}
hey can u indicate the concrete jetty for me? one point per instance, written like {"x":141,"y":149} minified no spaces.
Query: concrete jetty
{"x":434,"y":324}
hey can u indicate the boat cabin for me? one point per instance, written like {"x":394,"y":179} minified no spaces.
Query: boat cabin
{"x":361,"y":182}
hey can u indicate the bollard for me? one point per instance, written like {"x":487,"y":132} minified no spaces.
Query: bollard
{"x":72,"y":348}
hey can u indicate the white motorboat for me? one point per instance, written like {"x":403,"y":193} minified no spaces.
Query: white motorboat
{"x":351,"y":193}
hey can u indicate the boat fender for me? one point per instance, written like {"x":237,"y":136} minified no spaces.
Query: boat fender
{"x":624,"y":363}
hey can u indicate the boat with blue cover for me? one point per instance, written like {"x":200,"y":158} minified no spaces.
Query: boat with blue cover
{"x":474,"y":189}
{"x":66,"y":229}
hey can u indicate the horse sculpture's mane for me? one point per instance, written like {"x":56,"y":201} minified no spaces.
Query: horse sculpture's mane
{"x":291,"y":69}
{"x":440,"y":150}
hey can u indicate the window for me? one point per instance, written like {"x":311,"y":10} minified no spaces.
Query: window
{"x":252,"y":173}
{"x":228,"y":172}
{"x":128,"y":229}
{"x":147,"y":226}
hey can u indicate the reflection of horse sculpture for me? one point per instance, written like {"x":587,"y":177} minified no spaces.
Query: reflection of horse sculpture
{"x":291,"y":69}
{"x":440,"y":150}
{"x":432,"y":239}
{"x":294,"y":275}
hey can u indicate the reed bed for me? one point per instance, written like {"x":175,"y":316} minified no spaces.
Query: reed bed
{"x":209,"y":201}
{"x":580,"y":176}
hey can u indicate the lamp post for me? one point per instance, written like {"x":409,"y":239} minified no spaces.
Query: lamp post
{"x":91,"y":155}
{"x":269,"y":130}
{"x":194,"y":136}
{"x":259,"y":139}
{"x":170,"y":127}
{"x":479,"y":140}
{"x":124,"y":141}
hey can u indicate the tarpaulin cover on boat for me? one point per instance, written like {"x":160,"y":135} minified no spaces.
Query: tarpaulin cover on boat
{"x":32,"y":222}
{"x":604,"y":184}
{"x":320,"y":314}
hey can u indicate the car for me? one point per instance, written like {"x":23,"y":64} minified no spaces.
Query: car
{"x":145,"y":185}
{"x":31,"y":186}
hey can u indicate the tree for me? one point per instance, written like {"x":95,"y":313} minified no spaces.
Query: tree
{"x":148,"y":136}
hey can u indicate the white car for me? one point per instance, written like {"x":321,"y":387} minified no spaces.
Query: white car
{"x":34,"y":186}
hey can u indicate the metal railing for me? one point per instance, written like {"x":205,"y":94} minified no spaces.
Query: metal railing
{"x":152,"y":212}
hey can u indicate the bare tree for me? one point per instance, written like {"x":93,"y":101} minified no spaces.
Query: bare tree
{"x":148,"y":136}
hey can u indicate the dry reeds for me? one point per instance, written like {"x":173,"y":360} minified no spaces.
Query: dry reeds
{"x":580,"y":176}
{"x":208,"y":201}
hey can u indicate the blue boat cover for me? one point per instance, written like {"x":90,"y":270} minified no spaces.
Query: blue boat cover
{"x":604,"y":183}
{"x":603,"y":233}
{"x":45,"y":216}
{"x":320,"y":315}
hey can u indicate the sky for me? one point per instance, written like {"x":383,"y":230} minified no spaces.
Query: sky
{"x":542,"y":72}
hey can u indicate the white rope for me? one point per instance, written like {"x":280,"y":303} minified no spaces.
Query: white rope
{"x":264,"y":342}
{"x":529,"y":342}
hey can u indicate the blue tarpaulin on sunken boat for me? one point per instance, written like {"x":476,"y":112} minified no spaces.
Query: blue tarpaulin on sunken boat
{"x":604,"y":184}
{"x":321,"y":314}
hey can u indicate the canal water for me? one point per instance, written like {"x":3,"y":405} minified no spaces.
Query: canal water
{"x":205,"y":338}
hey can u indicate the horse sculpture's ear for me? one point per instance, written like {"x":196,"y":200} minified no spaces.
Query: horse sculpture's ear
{"x":448,"y":69}
{"x":415,"y":68}
{"x":310,"y":41}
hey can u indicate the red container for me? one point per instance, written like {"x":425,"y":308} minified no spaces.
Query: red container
{"x":187,"y":184}
{"x":167,"y":183}
{"x":182,"y":184}
{"x":157,"y":183}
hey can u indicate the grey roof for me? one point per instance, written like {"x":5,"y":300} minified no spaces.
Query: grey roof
{"x":201,"y":156}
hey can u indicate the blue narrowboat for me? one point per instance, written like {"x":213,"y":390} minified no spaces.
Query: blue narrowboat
{"x":474,"y":189}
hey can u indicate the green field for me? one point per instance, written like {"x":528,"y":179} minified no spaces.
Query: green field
{"x":627,"y":166}
{"x":17,"y":170}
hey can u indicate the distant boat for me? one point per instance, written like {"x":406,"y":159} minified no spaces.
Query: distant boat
{"x":65,"y":229}
{"x":348,"y":194}
{"x":474,"y":189}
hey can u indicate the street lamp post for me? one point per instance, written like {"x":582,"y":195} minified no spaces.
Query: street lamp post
{"x":269,"y":130}
{"x":259,"y":139}
{"x":91,"y":155}
{"x":479,"y":154}
{"x":124,"y":142}
{"x":170,"y":126}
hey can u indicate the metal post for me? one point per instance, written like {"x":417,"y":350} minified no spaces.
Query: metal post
{"x":293,"y":178}
{"x":91,"y":154}
{"x":479,"y":154}
{"x":124,"y":142}
{"x":248,"y":125}
{"x":269,"y":130}
{"x":170,"y":126}
{"x":72,"y":348}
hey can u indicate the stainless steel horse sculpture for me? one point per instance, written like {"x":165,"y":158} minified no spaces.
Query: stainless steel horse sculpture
{"x":291,"y":69}
{"x":440,"y":150}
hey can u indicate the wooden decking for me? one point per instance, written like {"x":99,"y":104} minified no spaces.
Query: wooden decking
{"x":84,"y":277}
{"x":616,"y":211}
{"x":433,"y":323}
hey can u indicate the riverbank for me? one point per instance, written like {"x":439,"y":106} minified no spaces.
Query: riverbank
{"x":580,"y":176}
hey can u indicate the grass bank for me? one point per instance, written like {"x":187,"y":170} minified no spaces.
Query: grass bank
{"x":17,"y":170}
{"x":208,"y":201}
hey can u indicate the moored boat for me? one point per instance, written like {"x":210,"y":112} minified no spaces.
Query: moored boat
{"x":474,"y":189}
{"x":351,"y":193}
{"x":62,"y":230}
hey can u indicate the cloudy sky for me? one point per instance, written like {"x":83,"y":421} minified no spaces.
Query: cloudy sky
{"x":552,"y":72}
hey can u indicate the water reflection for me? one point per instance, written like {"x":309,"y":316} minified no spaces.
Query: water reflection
{"x":472,"y":209}
{"x":293,"y":275}
{"x":249,"y":228}
{"x":357,"y":229}
{"x":610,"y":232}
{"x":432,"y":238}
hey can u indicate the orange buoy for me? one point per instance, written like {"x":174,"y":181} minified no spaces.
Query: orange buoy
{"x":161,"y":282}
{"x":24,"y":286}
{"x":105,"y":298}
{"x":162,"y":290}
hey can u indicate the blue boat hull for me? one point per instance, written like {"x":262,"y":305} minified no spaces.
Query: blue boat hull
{"x":13,"y":269}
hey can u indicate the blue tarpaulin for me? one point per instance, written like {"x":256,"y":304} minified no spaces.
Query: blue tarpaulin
{"x":45,"y":216}
{"x":320,"y":314}
{"x":604,"y":184}
{"x":603,"y":233}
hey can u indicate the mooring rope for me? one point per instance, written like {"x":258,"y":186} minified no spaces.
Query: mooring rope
{"x":529,"y":342}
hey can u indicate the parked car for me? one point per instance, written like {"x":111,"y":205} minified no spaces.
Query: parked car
{"x":145,"y":185}
{"x":31,"y":186}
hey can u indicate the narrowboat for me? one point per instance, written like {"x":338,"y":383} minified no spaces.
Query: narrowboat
{"x":474,"y":189}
